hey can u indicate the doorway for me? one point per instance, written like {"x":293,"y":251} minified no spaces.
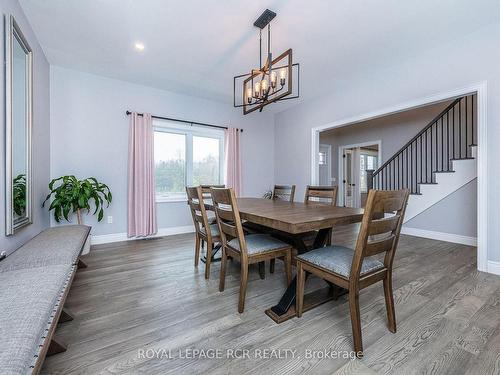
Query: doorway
{"x":324,"y":164}
{"x":356,"y":160}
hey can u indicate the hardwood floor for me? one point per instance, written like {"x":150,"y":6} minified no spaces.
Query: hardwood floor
{"x":143,"y":295}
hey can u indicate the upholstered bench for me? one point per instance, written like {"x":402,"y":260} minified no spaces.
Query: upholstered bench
{"x":35,"y":281}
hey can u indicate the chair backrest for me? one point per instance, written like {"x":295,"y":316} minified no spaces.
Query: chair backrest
{"x":381,"y":226}
{"x":283,"y":193}
{"x":228,"y":217}
{"x":198,"y":211}
{"x":321,"y":194}
{"x":205,"y":189}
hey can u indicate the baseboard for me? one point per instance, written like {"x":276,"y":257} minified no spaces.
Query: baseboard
{"x":494,"y":267}
{"x":118,"y":237}
{"x":441,"y":236}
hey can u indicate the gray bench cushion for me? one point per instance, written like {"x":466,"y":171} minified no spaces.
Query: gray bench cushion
{"x":27,"y":301}
{"x":258,"y":243}
{"x":338,"y":259}
{"x":54,"y":246}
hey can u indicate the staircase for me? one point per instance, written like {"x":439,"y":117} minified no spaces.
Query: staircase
{"x":439,"y":160}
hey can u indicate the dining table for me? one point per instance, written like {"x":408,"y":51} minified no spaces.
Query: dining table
{"x":295,"y":222}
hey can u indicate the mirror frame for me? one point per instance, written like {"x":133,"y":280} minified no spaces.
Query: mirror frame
{"x":12,"y":31}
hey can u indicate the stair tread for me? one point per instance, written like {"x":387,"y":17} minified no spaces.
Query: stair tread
{"x":463,"y":159}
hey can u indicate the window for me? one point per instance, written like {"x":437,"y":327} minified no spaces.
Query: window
{"x":367,"y":161}
{"x":186,"y":156}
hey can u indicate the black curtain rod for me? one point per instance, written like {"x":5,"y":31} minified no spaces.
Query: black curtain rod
{"x":184,"y":121}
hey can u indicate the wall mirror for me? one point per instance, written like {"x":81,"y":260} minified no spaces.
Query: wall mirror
{"x":18,"y":122}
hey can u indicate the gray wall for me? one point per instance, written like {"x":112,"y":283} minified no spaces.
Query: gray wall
{"x":41,"y":132}
{"x":459,"y":63}
{"x":89,"y":137}
{"x":456,"y":214}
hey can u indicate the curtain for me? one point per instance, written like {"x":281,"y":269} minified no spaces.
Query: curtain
{"x":233,"y":159}
{"x":141,"y":177}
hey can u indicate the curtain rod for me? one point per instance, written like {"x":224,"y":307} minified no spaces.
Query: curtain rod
{"x":185,"y":122}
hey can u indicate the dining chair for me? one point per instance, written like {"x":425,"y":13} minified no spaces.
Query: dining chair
{"x":248,"y":249}
{"x":205,"y":231}
{"x":321,"y":194}
{"x":357,"y":269}
{"x":283,"y":193}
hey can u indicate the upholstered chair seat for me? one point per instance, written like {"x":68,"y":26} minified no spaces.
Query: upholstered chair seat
{"x":214,"y":230}
{"x":258,"y":243}
{"x":338,"y":259}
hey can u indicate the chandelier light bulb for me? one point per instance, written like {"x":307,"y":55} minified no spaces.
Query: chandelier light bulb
{"x":274,"y":79}
{"x":257,"y":89}
{"x":282,"y":76}
{"x":264,"y":86}
{"x":249,"y":95}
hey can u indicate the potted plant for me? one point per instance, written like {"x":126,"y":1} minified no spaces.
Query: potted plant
{"x":74,"y":196}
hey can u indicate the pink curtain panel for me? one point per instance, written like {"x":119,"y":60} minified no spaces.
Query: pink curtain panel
{"x":233,"y":159}
{"x":141,"y":177}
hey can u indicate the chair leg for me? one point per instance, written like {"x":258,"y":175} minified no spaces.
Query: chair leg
{"x":222,"y":277}
{"x":197,"y":250}
{"x":262,"y":270}
{"x":271,"y":265}
{"x":243,"y":285}
{"x":356,"y":322}
{"x":210,"y":247}
{"x":288,"y":266}
{"x":389,"y":303}
{"x":299,"y":298}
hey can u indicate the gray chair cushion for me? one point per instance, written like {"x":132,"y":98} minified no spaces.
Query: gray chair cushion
{"x":28,"y":298}
{"x":214,"y":230}
{"x":258,"y":243}
{"x":54,"y":246}
{"x":338,"y":259}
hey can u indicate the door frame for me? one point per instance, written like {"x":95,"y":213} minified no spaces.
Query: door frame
{"x":341,"y":166}
{"x":478,"y":88}
{"x":329,"y":157}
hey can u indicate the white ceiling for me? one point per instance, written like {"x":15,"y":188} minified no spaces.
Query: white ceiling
{"x":195,"y":47}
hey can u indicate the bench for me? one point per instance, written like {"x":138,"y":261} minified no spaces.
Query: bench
{"x":34,"y":282}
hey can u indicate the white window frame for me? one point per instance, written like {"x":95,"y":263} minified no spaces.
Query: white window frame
{"x":189,"y":132}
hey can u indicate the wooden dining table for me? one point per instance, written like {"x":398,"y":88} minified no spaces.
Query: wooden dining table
{"x":294,"y":220}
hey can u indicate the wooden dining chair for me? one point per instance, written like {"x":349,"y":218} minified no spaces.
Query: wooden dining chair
{"x":205,"y":231}
{"x":283,"y":193}
{"x":248,"y":249}
{"x":321,"y":194}
{"x":357,"y":269}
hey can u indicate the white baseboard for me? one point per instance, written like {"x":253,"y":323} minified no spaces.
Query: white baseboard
{"x":494,"y":267}
{"x":117,"y":237}
{"x":441,"y":236}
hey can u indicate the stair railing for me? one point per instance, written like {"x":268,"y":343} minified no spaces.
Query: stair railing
{"x":446,"y":138}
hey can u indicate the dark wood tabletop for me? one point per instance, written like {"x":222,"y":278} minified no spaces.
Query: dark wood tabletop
{"x":295,"y":217}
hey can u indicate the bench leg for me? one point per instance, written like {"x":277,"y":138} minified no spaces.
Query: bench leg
{"x":81,"y":264}
{"x":65,"y":316}
{"x":55,"y":347}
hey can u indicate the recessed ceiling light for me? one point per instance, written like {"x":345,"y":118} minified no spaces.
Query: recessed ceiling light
{"x":139,"y":46}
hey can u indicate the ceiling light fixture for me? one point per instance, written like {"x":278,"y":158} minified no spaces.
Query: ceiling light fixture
{"x":272,"y":81}
{"x":139,"y":46}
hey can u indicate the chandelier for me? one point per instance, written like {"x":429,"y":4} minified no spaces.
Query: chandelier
{"x":271,"y":82}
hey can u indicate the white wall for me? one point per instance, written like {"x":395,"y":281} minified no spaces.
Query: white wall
{"x":41,"y":132}
{"x":89,"y":137}
{"x":460,"y":63}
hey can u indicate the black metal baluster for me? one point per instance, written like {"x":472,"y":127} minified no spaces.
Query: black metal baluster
{"x":472,"y":115}
{"x":460,"y":129}
{"x":426,"y":172}
{"x":448,"y":141}
{"x":466,"y":125}
{"x":453,"y":127}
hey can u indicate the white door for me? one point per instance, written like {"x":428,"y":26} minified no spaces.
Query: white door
{"x":325,"y":167}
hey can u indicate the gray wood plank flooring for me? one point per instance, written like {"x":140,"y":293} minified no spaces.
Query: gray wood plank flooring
{"x":140,"y":296}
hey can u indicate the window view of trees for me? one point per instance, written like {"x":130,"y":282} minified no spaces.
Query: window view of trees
{"x":172,"y":171}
